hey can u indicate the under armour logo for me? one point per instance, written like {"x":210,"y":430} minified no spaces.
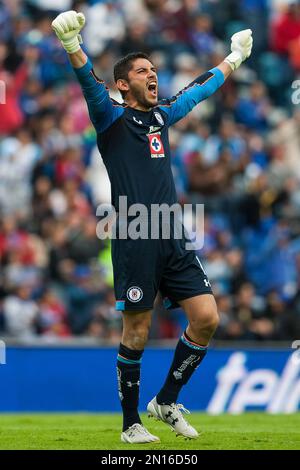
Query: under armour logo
{"x":207,"y":283}
{"x":131,"y":384}
{"x":171,"y":420}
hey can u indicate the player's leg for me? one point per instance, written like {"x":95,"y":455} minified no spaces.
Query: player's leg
{"x":203,"y":317}
{"x":135,"y":334}
{"x":191,"y":348}
{"x":185,"y":279}
{"x":135,"y":290}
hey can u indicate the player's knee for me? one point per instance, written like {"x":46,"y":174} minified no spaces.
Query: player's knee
{"x":207,"y":319}
{"x":139,"y":337}
{"x":214,"y":320}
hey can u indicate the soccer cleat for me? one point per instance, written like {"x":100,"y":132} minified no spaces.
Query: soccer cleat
{"x":172,"y":415}
{"x":137,"y":434}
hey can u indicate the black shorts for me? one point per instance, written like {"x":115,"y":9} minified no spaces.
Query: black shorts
{"x":144,"y":267}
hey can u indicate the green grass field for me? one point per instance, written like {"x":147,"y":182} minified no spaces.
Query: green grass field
{"x":97,"y":431}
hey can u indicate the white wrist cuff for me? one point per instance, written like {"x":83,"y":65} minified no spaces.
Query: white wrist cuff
{"x":72,"y":45}
{"x":234,"y":60}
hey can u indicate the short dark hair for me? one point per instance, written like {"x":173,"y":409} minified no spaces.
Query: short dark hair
{"x":124,"y":65}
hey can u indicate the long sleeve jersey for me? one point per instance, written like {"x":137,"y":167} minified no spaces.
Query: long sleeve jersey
{"x":134,"y":144}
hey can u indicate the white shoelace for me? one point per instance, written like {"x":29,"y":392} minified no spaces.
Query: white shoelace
{"x":182,"y":409}
{"x":140,"y":428}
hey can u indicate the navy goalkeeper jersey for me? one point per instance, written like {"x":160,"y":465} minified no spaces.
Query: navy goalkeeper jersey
{"x":134,"y":144}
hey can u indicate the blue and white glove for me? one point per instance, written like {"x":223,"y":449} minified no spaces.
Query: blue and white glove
{"x":67,"y":27}
{"x":241,"y":47}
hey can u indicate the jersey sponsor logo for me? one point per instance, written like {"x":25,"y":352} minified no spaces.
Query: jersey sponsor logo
{"x":138,"y":121}
{"x":154,"y":129}
{"x":134,"y":294}
{"x":156,"y":146}
{"x":159,"y":118}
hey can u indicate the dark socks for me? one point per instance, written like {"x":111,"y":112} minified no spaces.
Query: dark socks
{"x":128,"y":370}
{"x":188,"y":355}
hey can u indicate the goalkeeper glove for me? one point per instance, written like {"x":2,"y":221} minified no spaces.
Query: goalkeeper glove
{"x":241,"y":47}
{"x":67,"y":27}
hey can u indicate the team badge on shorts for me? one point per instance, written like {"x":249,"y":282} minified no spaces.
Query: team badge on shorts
{"x":156,"y":145}
{"x":134,"y":294}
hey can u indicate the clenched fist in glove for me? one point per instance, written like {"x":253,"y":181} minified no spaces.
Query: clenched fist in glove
{"x":67,"y":27}
{"x":241,"y":47}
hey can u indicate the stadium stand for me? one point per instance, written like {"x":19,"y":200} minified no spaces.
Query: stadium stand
{"x":238,"y":153}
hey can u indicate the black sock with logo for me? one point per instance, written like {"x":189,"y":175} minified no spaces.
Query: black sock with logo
{"x":128,"y":371}
{"x":188,"y":356}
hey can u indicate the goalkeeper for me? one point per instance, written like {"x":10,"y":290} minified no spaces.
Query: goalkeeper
{"x":133,"y":141}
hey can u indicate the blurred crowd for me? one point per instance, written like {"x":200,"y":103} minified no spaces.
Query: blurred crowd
{"x":238,"y":153}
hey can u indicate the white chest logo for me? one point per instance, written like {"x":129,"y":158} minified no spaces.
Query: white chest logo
{"x":137,"y":121}
{"x":159,"y":118}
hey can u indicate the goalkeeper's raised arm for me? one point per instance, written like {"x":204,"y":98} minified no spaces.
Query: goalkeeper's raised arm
{"x":102,"y":110}
{"x":204,"y":86}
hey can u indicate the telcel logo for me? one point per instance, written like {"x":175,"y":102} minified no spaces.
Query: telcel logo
{"x":239,"y":388}
{"x":2,"y":353}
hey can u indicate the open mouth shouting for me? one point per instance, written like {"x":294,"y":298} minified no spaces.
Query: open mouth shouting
{"x":152,"y":88}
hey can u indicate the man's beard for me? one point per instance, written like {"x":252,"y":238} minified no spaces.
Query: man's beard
{"x":139,"y":95}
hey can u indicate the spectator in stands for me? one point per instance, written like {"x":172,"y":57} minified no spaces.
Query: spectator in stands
{"x":286,"y":28}
{"x":12,"y":116}
{"x":20,"y":313}
{"x":52,"y":319}
{"x":253,"y":111}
